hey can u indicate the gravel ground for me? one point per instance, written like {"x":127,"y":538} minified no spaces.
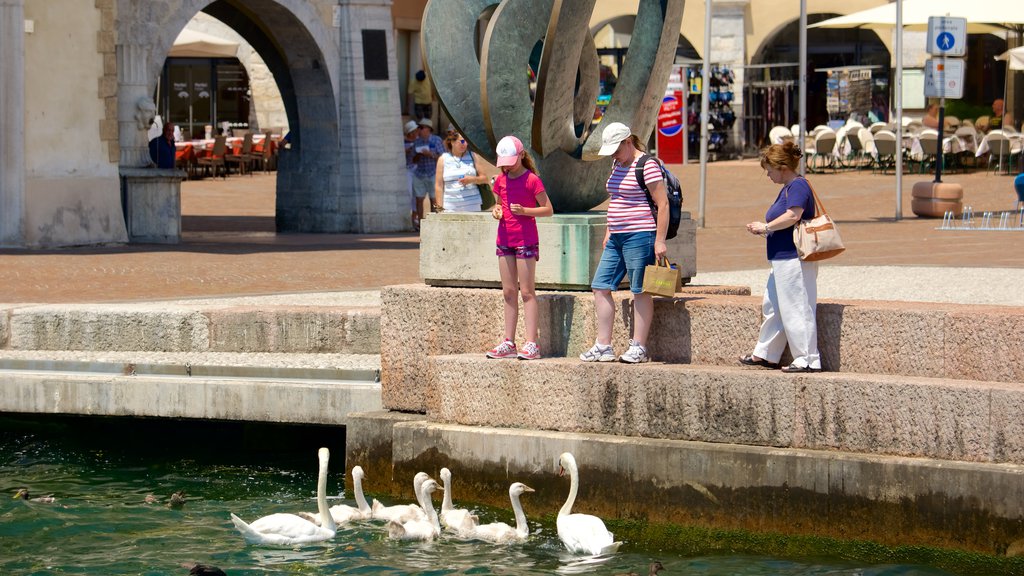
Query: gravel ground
{"x":1001,"y":286}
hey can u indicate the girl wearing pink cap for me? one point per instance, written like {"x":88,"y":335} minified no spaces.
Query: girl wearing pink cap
{"x":519,"y":199}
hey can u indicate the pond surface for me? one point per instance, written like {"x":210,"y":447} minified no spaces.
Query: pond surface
{"x":100,"y":523}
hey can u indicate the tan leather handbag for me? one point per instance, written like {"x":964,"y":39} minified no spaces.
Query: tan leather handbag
{"x":817,"y":238}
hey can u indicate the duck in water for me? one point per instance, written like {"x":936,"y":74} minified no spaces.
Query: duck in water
{"x":23,"y":494}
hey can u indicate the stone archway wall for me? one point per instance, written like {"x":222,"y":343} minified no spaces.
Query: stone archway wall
{"x":267,"y":107}
{"x":326,"y":181}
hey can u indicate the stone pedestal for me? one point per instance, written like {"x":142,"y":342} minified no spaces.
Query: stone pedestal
{"x":152,"y":204}
{"x":458,"y":250}
{"x":934,"y":199}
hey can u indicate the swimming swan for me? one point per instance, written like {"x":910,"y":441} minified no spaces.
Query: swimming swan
{"x":581,"y":533}
{"x":419,"y":529}
{"x":458,"y":520}
{"x":402,"y":512}
{"x":343,"y":513}
{"x":291,"y":529}
{"x":501,"y":533}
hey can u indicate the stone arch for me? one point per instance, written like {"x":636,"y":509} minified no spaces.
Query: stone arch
{"x":627,"y":21}
{"x":303,"y":50}
{"x":826,"y":47}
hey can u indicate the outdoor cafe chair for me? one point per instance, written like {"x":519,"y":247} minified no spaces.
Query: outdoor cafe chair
{"x":265,"y":155}
{"x":216,"y":157}
{"x":885,"y":147}
{"x":968,"y":137}
{"x":929,"y":141}
{"x":998,"y":148}
{"x":824,"y":148}
{"x":244,"y":157}
{"x":874,"y":128}
{"x":779,"y":134}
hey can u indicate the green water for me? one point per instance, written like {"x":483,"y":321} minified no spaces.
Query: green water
{"x":101,"y":471}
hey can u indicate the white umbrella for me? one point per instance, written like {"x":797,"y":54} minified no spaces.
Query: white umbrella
{"x":192,"y":43}
{"x":1014,"y":58}
{"x":982,"y":16}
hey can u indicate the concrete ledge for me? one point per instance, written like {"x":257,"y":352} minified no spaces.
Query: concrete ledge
{"x":456,"y":249}
{"x":870,"y":414}
{"x":256,"y":400}
{"x":886,"y":499}
{"x":200,"y":328}
{"x":984,"y":343}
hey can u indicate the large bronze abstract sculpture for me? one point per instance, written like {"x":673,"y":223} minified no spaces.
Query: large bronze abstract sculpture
{"x":489,"y":97}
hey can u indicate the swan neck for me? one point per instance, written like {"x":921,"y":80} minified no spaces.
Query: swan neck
{"x":428,"y":506}
{"x":360,"y":498}
{"x":326,"y":520}
{"x":446,"y":504}
{"x":522,"y":528}
{"x":574,"y":482}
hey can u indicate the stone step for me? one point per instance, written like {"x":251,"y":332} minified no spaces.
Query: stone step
{"x":938,"y":418}
{"x":272,"y":324}
{"x":287,"y":388}
{"x":361,"y":367}
{"x":983,"y":343}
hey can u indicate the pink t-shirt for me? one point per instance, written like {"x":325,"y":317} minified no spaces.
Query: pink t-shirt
{"x":628,"y":209}
{"x":513,"y":229}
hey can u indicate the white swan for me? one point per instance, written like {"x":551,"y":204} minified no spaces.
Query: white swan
{"x":501,"y":533}
{"x":458,"y":520}
{"x":402,"y":512}
{"x":581,"y":533}
{"x":343,"y":513}
{"x":291,"y":529}
{"x":419,"y":529}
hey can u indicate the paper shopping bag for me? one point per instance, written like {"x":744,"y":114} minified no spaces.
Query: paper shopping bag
{"x":661,"y":279}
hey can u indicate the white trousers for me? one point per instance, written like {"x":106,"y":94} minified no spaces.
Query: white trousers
{"x":790,"y":300}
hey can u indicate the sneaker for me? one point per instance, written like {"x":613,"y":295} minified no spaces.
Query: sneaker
{"x":530,"y":351}
{"x":598,"y":353}
{"x":506,"y":349}
{"x":635,"y":355}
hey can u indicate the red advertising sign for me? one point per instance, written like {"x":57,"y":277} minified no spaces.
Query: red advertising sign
{"x":671,"y":129}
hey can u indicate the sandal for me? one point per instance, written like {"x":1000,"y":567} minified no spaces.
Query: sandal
{"x":749,"y":360}
{"x":798,"y":369}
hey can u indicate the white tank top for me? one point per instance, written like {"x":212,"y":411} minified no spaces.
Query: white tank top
{"x":454,"y":170}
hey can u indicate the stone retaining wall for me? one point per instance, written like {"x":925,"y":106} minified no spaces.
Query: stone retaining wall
{"x":862,"y":413}
{"x":984,"y":343}
{"x":172,"y":328}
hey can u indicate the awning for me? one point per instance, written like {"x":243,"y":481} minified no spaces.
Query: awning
{"x":191,"y":43}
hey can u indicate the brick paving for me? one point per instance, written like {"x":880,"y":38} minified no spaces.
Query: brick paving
{"x":229,"y":246}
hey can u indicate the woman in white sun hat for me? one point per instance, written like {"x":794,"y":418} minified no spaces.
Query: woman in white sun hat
{"x":634,"y":239}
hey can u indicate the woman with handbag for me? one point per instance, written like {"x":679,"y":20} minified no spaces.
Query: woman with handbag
{"x":456,"y":181}
{"x":633,"y":240}
{"x":791,"y":295}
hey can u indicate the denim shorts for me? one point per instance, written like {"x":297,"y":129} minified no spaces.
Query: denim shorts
{"x":531,"y":252}
{"x":625,"y":253}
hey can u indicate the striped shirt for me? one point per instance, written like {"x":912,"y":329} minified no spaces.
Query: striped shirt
{"x":628,"y":210}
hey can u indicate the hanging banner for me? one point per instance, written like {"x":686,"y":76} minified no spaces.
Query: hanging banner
{"x":670,"y":128}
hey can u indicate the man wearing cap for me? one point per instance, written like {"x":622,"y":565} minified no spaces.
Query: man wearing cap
{"x":410,"y":130}
{"x":427,"y":148}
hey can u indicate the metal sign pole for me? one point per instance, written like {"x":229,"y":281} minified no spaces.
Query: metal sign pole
{"x":704,"y":102}
{"x":802,"y":109}
{"x":899,"y":110}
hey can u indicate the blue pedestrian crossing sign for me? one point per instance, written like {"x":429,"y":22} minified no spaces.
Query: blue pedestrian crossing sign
{"x":947,"y":36}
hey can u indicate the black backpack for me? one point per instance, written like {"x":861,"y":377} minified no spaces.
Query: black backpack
{"x":672,"y":188}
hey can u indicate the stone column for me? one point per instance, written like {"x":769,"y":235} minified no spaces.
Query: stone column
{"x":12,"y":122}
{"x":132,"y":90}
{"x":373,"y":183}
{"x":729,"y":46}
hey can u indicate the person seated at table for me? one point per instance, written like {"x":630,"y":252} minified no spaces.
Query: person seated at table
{"x":161,"y":148}
{"x":931,"y":116}
{"x":1001,"y":119}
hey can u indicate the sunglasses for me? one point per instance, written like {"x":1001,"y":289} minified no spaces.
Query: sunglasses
{"x":461,"y":140}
